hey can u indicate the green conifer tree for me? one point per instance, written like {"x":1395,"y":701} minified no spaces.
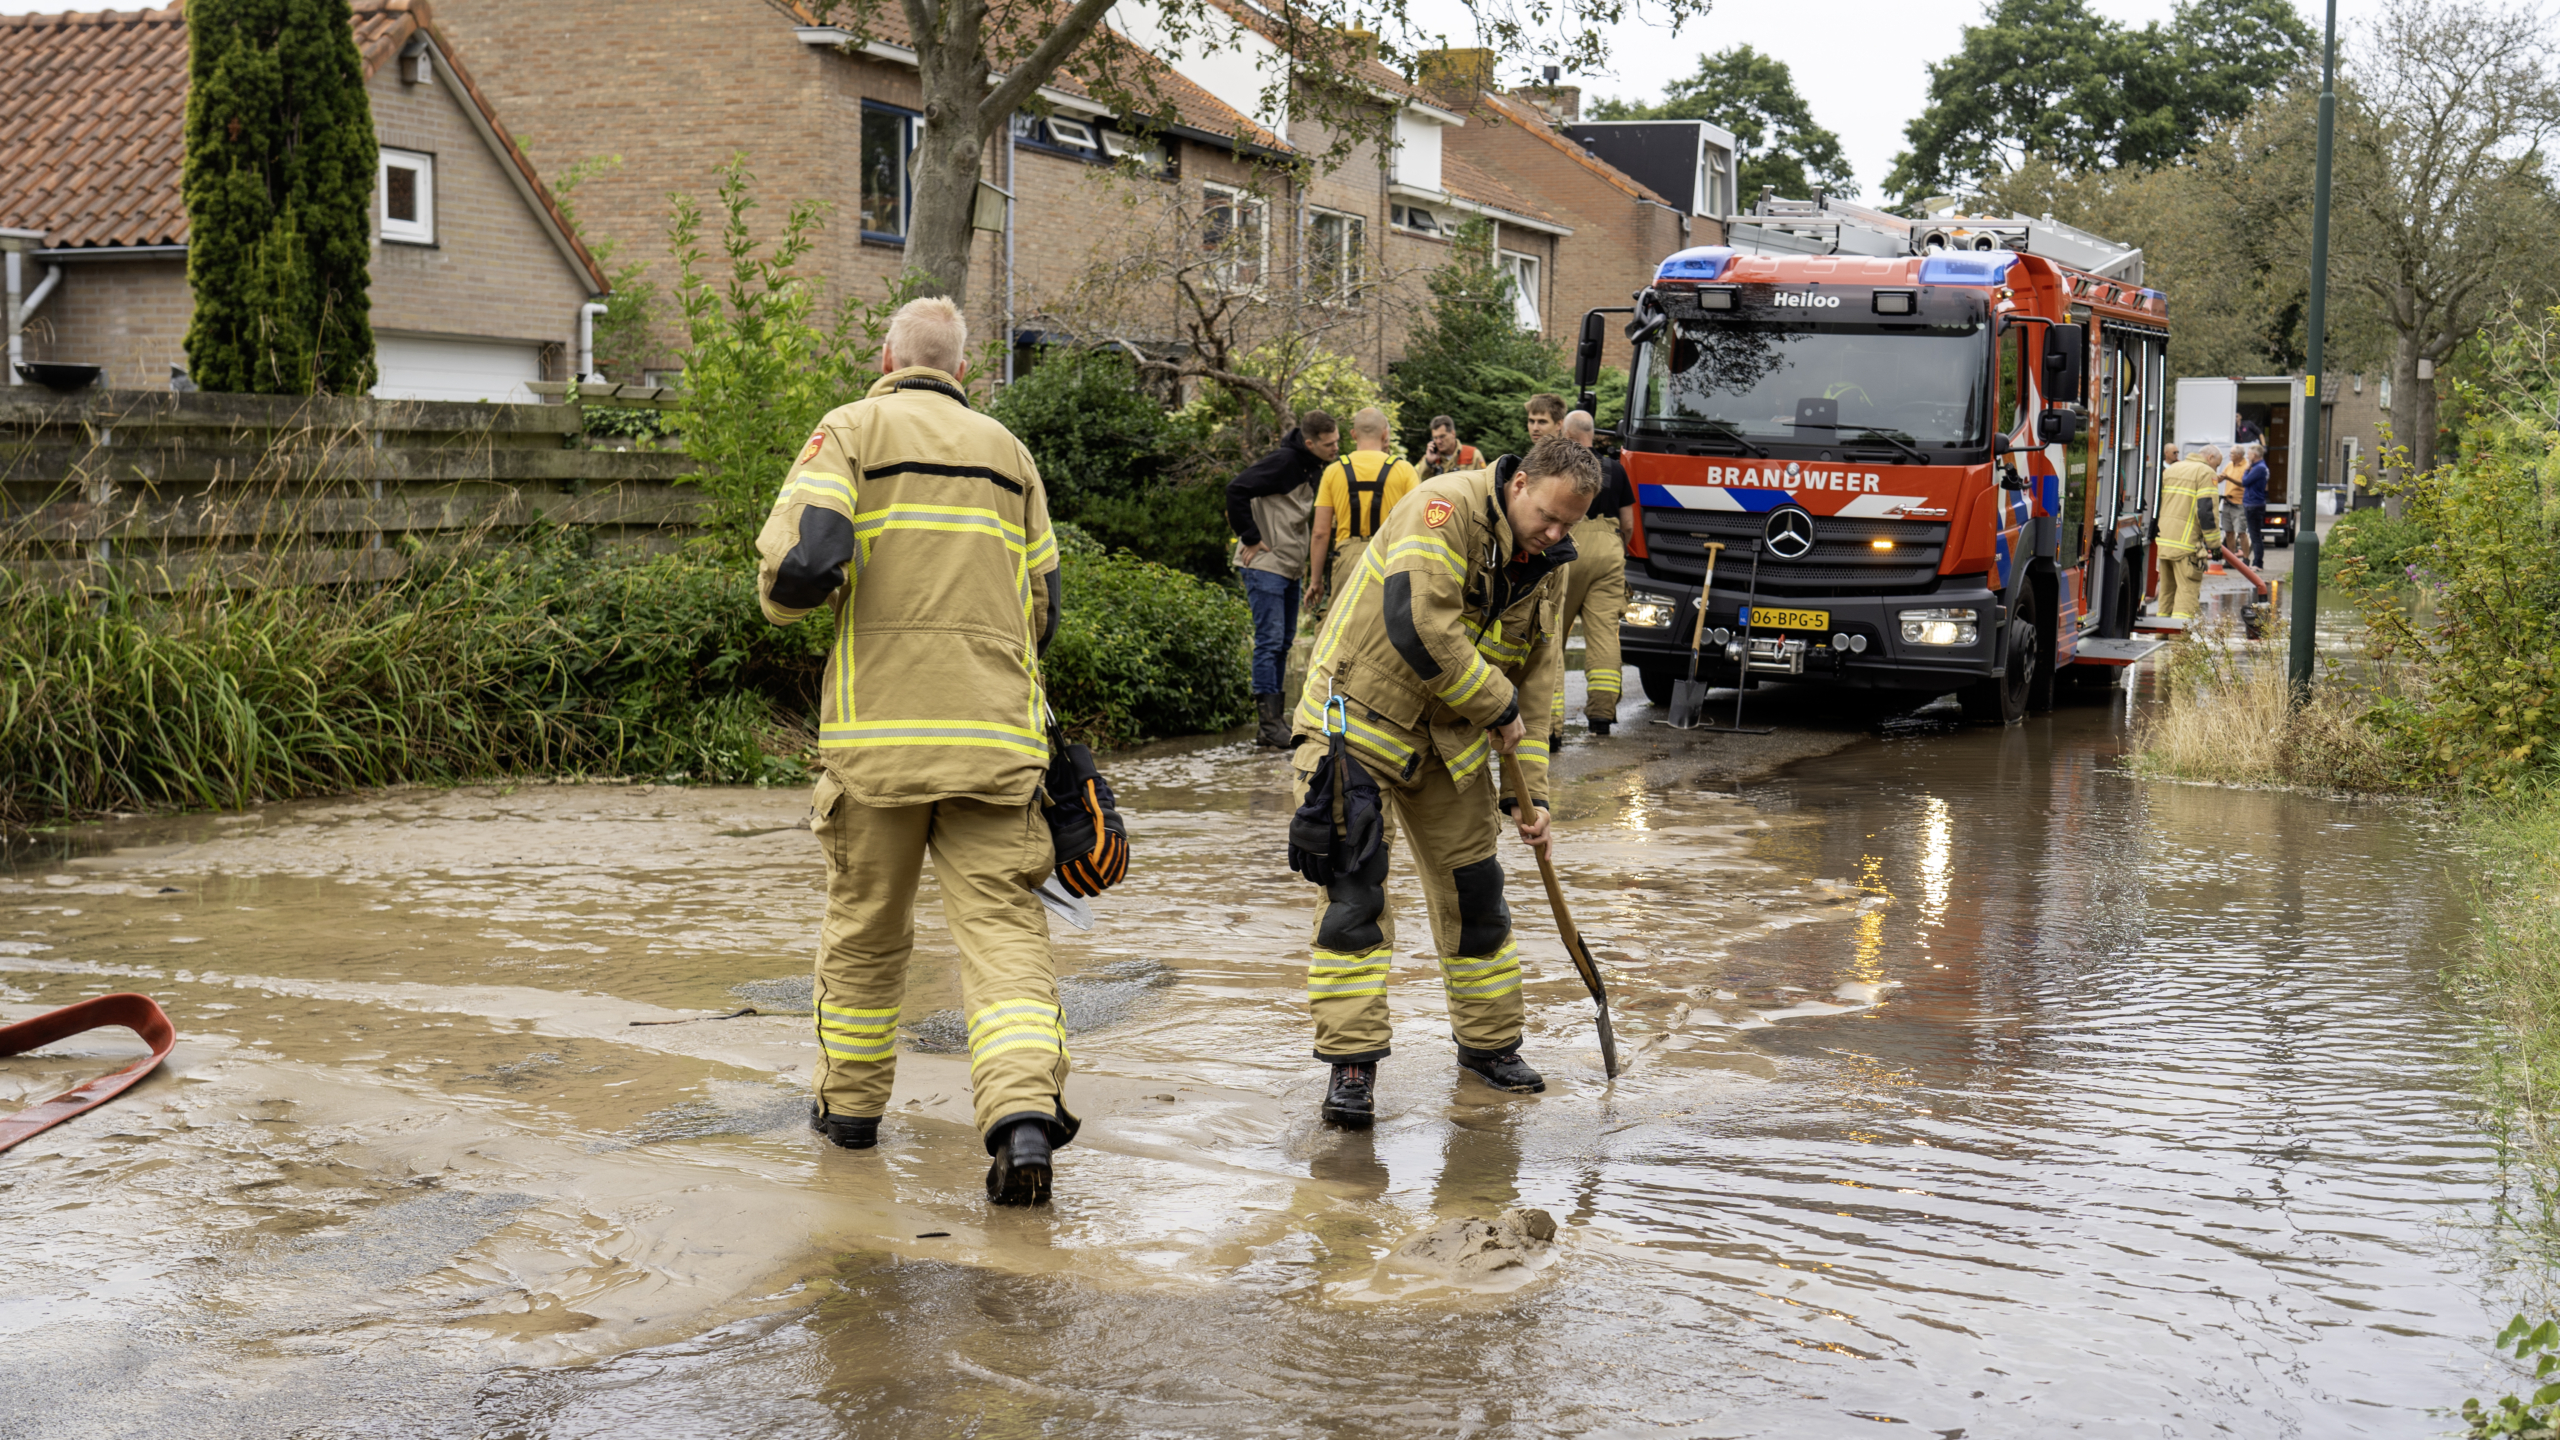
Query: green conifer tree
{"x":1471,"y":359}
{"x":279,"y":184}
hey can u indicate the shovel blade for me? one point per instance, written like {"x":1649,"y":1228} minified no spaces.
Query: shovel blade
{"x":1688,"y":703}
{"x":1069,"y":908}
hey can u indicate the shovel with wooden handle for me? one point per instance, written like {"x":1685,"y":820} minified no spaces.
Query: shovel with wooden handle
{"x":1689,"y":697}
{"x":1573,"y":946}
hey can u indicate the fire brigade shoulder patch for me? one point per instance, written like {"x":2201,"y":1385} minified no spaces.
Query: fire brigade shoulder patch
{"x":1437,"y":513}
{"x":817,"y":441}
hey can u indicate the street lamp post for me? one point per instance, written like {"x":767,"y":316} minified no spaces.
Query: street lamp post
{"x":2306,"y":541}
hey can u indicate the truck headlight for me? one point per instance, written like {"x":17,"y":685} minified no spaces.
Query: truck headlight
{"x":1939,"y":627}
{"x":1650,"y":612}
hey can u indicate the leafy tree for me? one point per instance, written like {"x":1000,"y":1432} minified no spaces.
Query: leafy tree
{"x":280,"y":163}
{"x":2444,"y":208}
{"x":1470,"y":359}
{"x":2055,"y":79}
{"x":1754,"y":96}
{"x":981,"y":62}
{"x":1092,"y":428}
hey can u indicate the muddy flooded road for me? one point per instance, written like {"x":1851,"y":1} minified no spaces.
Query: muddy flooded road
{"x":1973,"y":1086}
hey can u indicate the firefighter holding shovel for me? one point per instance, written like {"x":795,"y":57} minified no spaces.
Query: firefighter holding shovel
{"x":1442,"y":651}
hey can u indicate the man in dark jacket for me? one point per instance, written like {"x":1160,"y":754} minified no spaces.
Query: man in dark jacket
{"x":1271,"y":507}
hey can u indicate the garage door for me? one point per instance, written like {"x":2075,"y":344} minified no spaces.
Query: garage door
{"x":455,"y":369}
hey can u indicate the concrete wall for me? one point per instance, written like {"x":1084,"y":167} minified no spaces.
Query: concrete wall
{"x":493,"y":271}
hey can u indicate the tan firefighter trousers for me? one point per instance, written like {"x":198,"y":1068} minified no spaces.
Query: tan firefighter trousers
{"x":1595,"y":592}
{"x":988,"y":860}
{"x":1452,"y":827}
{"x":2182,"y":584}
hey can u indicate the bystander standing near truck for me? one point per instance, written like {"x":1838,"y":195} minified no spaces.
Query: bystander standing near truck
{"x":1271,"y":507}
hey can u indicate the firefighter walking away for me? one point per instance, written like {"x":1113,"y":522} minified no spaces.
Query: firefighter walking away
{"x":922,"y":525}
{"x":1441,"y":651}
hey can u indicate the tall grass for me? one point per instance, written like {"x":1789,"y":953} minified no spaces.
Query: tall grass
{"x":536,"y":657}
{"x":2226,"y":714}
{"x":2513,"y":975}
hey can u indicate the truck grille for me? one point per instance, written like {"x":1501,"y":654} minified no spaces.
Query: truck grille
{"x":1842,"y":562}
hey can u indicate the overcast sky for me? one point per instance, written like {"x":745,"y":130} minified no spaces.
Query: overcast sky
{"x":1861,"y":64}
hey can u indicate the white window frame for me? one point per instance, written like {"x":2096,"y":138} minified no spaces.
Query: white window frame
{"x":1430,"y":223}
{"x":1523,"y":269}
{"x":913,"y":132}
{"x":1153,"y":157}
{"x":1072,"y":134}
{"x":1344,"y":286}
{"x":1241,"y":202}
{"x":422,"y":230}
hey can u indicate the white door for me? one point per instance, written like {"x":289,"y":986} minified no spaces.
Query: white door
{"x":2205,"y":408}
{"x":412,"y":369}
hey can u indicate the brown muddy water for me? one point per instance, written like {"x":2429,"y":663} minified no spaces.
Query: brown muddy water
{"x":1975,"y":1087}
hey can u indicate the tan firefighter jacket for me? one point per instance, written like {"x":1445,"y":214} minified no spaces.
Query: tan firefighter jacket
{"x":923,"y":526}
{"x":1441,"y":635}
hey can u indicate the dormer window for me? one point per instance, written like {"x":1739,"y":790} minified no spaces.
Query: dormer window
{"x":1072,"y":134}
{"x":1414,"y":218}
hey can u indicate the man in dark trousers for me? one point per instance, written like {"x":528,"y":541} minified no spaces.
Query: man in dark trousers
{"x":1271,"y":507}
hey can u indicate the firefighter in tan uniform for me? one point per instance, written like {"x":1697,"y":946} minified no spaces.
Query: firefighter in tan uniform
{"x":922,"y":525}
{"x":1442,"y":651}
{"x":1595,"y":587}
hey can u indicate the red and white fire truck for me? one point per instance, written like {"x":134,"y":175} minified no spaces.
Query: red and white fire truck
{"x":1918,"y":455}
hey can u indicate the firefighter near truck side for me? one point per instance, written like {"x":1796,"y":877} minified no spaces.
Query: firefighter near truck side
{"x":1883,"y":441}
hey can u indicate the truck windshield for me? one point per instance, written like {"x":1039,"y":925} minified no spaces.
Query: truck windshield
{"x":1921,"y":386}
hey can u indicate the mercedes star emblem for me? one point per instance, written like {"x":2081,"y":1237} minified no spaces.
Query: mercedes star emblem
{"x":1790,"y":534}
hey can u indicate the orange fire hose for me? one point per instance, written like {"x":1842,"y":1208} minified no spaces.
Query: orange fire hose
{"x":138,"y":1013}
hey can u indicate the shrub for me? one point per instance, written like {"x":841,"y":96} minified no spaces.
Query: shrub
{"x":1180,"y":526}
{"x":2384,"y":545}
{"x":1092,"y":428}
{"x":1143,"y":650}
{"x":2484,"y":645}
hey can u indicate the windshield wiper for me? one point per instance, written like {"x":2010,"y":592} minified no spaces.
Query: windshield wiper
{"x":1894,"y":438}
{"x":1720,"y":429}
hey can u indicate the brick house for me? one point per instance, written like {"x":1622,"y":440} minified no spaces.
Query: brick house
{"x":477,"y":283}
{"x":1621,"y":227}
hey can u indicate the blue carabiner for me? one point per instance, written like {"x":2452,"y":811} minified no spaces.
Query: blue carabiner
{"x":1337,"y":707}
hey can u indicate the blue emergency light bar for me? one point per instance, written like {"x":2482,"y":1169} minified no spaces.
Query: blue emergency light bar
{"x":1704,"y":262}
{"x":1967,"y":267}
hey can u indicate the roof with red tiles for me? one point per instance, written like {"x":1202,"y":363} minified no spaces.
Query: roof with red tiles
{"x":1512,"y":110}
{"x":1467,"y":180}
{"x":93,"y":111}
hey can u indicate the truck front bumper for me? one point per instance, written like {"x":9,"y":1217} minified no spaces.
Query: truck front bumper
{"x":1863,"y":644}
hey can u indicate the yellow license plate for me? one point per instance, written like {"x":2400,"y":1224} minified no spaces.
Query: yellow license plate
{"x":1764,"y":618}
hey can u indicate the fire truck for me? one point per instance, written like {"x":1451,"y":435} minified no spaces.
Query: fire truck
{"x":1868,"y":451}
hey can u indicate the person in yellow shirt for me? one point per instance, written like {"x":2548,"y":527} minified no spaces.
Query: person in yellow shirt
{"x":1352,"y":501}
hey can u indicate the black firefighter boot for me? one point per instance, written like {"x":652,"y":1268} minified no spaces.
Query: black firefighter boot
{"x":1020,"y":1174}
{"x":1273,"y":733}
{"x":853,"y":1132}
{"x":1503,"y":1071}
{"x":1349,"y":1100}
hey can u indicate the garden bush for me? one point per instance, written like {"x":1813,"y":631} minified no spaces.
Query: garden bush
{"x":1144,"y":650}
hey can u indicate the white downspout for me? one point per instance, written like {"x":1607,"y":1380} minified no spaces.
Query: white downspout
{"x":17,"y":346}
{"x":587,"y":314}
{"x":1010,"y":192}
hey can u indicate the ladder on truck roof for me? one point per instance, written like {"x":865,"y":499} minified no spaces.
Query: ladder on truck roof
{"x":1825,"y":226}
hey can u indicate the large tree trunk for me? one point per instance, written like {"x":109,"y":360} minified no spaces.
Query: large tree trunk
{"x":946,"y":176}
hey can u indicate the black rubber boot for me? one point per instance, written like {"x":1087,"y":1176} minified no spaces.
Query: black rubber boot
{"x":1350,"y":1100}
{"x":853,"y":1132}
{"x":1020,"y":1174}
{"x":1506,"y":1071}
{"x":1273,"y":731}
{"x":1601,"y":727}
{"x":1555,"y":742}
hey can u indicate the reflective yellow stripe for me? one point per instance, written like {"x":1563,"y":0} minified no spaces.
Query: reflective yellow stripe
{"x":855,"y":1034}
{"x":1379,"y":743}
{"x":1606,"y":682}
{"x":1471,"y":759}
{"x":876,"y":734}
{"x":1534,"y":750}
{"x":1017,"y":1024}
{"x":818,"y":487}
{"x":1498,"y":974}
{"x":1333,"y":975}
{"x":1458,"y":691}
{"x":1044,"y":549}
{"x":1436,"y":549}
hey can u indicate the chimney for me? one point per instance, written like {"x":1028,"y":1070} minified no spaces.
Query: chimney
{"x":1359,"y":44}
{"x":1458,"y":75}
{"x":1561,"y":104}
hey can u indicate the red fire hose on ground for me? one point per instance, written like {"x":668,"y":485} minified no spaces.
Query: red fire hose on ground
{"x":138,"y":1013}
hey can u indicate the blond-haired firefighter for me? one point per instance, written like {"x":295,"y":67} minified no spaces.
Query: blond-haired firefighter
{"x":1441,"y":651}
{"x":923,"y":526}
